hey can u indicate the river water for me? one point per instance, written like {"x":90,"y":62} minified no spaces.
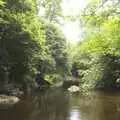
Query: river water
{"x":61,"y":105}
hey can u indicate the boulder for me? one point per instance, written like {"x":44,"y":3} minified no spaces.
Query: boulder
{"x":74,"y":89}
{"x":8,"y":100}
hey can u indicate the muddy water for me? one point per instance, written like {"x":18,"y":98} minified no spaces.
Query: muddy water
{"x":60,"y":105}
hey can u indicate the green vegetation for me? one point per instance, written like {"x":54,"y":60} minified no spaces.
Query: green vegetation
{"x":29,"y":43}
{"x":57,"y":45}
{"x":22,"y":41}
{"x":32,"y":43}
{"x":98,"y":57}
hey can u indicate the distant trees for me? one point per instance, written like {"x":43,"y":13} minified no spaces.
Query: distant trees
{"x":56,"y":65}
{"x":52,"y":10}
{"x":57,"y":47}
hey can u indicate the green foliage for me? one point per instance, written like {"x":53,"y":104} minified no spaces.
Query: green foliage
{"x":22,"y":5}
{"x":54,"y":78}
{"x":106,"y":40}
{"x":97,"y":58}
{"x":57,"y":48}
{"x":53,"y":10}
{"x":28,"y":43}
{"x":22,"y":42}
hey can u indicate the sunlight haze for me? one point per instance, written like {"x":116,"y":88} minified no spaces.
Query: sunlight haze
{"x":73,"y":7}
{"x":72,"y":30}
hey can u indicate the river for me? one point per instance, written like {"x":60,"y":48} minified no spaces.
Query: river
{"x":61,"y":105}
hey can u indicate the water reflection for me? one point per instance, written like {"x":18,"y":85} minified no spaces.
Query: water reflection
{"x":97,"y":105}
{"x":74,"y":114}
{"x":48,"y":106}
{"x":59,"y":105}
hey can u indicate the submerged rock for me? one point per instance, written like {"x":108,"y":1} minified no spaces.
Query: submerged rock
{"x":74,"y":89}
{"x":8,"y":100}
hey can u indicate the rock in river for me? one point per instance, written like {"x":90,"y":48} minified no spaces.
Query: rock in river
{"x":74,"y":89}
{"x":8,"y":100}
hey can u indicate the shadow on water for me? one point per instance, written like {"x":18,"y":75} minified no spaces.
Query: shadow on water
{"x":39,"y":106}
{"x":59,"y":105}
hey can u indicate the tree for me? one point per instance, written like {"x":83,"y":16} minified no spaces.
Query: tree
{"x":22,"y":40}
{"x":101,"y":43}
{"x":53,"y":10}
{"x":28,"y":42}
{"x":22,"y":5}
{"x":56,"y":43}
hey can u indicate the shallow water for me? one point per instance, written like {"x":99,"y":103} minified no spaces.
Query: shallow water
{"x":60,"y":105}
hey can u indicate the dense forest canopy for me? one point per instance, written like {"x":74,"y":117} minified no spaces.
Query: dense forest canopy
{"x":31,"y":42}
{"x":98,"y":57}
